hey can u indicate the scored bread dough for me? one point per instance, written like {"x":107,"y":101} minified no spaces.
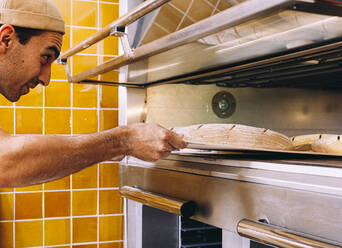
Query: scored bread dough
{"x":331,"y":144}
{"x":235,"y":135}
{"x":304,"y":142}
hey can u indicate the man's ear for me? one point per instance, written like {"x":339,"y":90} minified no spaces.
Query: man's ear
{"x":7,"y":36}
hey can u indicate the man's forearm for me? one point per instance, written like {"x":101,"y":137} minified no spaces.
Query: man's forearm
{"x":27,"y":160}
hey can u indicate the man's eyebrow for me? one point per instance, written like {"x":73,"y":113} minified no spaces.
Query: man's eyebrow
{"x":55,"y":50}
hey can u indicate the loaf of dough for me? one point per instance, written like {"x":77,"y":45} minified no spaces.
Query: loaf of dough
{"x":235,"y":135}
{"x":331,"y":145}
{"x":304,"y":142}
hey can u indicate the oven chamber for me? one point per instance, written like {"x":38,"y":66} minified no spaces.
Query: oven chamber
{"x":283,"y":72}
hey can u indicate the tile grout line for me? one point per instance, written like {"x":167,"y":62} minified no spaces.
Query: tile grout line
{"x":91,"y":1}
{"x":185,"y":14}
{"x":98,"y":129}
{"x":161,"y":27}
{"x":67,"y":108}
{"x":215,"y":8}
{"x":62,"y":218}
{"x":14,"y":133}
{"x":71,"y":116}
{"x":43,"y":185}
{"x":61,"y":190}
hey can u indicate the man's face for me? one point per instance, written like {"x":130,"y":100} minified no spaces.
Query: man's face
{"x":29,"y":65}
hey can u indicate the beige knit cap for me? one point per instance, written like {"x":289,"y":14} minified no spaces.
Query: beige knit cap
{"x":36,"y":14}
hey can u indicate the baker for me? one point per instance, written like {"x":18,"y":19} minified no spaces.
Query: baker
{"x":30,"y":41}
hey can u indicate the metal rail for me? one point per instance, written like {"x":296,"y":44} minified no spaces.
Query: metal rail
{"x":130,"y":17}
{"x":280,"y":237}
{"x":180,"y":207}
{"x":226,"y":19}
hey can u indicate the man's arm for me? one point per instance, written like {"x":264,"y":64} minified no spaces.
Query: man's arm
{"x":27,"y":160}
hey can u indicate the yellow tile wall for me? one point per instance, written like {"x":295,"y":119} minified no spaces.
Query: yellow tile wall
{"x":82,"y":210}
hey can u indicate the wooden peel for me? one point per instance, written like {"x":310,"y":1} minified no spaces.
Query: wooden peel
{"x":235,"y":135}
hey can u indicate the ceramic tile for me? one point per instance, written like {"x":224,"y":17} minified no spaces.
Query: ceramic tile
{"x":109,"y":175}
{"x":82,"y":63}
{"x":112,"y":76}
{"x":214,"y":2}
{"x":34,"y":98}
{"x":30,"y":188}
{"x":108,"y":13}
{"x":28,"y":206}
{"x":84,"y":121}
{"x":110,"y":202}
{"x":63,"y":183}
{"x":8,"y":190}
{"x":4,"y":101}
{"x":169,"y":17}
{"x":84,"y":246}
{"x":57,"y":94}
{"x":181,"y":4}
{"x":6,"y":207}
{"x":154,"y":33}
{"x":64,"y":7}
{"x":6,"y":120}
{"x":29,"y":121}
{"x":200,"y":10}
{"x":6,"y":234}
{"x":86,"y":178}
{"x":108,"y":97}
{"x":57,"y":121}
{"x":57,"y":204}
{"x":57,"y":70}
{"x":84,"y":13}
{"x":112,"y":245}
{"x":186,"y":22}
{"x":112,"y":1}
{"x":66,"y":40}
{"x":80,"y":34}
{"x":28,"y":233}
{"x":111,"y":228}
{"x":109,"y":46}
{"x":85,"y":95}
{"x":108,"y":119}
{"x":57,"y":232}
{"x":57,"y":73}
{"x":84,"y":202}
{"x":84,"y":230}
{"x":223,"y":5}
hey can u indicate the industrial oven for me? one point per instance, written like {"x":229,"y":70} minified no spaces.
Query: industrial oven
{"x":272,"y":64}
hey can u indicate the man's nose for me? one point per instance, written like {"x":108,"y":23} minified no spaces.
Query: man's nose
{"x":45,"y":75}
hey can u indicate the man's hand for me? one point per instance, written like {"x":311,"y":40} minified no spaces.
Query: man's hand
{"x":151,"y":142}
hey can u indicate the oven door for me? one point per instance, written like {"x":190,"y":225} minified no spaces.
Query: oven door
{"x":279,"y":204}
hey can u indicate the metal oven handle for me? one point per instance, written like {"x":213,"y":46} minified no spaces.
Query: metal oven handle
{"x":280,"y":237}
{"x":176,"y":206}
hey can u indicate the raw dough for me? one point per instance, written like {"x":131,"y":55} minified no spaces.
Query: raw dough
{"x":304,"y":142}
{"x":331,"y":144}
{"x":235,"y":135}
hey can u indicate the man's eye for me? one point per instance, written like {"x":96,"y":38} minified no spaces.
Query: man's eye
{"x":46,"y":58}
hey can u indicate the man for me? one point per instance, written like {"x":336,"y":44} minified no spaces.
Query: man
{"x":30,"y":40}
